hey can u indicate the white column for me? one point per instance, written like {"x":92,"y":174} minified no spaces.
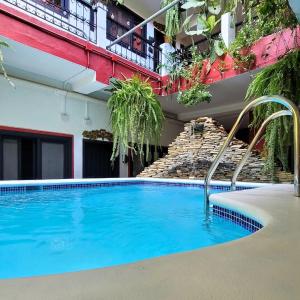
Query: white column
{"x":228,"y":28}
{"x":123,"y":169}
{"x":166,"y":50}
{"x":150,"y":50}
{"x":78,"y":156}
{"x":101,"y":26}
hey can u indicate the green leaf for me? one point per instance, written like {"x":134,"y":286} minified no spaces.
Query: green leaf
{"x":192,"y":4}
{"x":202,"y":23}
{"x":215,"y":10}
{"x":187,"y":21}
{"x":4,"y":44}
{"x":218,"y":47}
{"x":213,"y":56}
{"x":212,"y":22}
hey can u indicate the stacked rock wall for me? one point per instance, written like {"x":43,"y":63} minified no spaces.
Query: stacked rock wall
{"x":193,"y":151}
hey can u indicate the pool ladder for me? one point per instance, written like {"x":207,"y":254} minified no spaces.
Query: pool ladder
{"x":292,"y":110}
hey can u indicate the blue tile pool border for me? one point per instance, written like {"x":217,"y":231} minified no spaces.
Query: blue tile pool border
{"x":219,"y":211}
{"x":64,"y":186}
{"x":237,"y":218}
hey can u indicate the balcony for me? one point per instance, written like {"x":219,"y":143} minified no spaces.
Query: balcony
{"x":135,"y":47}
{"x":75,"y":16}
{"x":93,"y":23}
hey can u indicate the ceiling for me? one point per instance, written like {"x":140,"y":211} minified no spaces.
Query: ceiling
{"x":227,"y":101}
{"x":31,"y":64}
{"x":144,"y":8}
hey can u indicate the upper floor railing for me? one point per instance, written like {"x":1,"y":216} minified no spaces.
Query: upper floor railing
{"x":75,"y":16}
{"x":91,"y":21}
{"x":135,"y":47}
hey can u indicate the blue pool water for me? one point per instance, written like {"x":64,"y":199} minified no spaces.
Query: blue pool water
{"x":50,"y":232}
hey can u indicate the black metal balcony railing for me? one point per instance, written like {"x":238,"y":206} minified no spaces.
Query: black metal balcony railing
{"x":135,"y":47}
{"x":80,"y":18}
{"x":76,"y":16}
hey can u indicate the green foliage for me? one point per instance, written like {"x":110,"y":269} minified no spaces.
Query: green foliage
{"x":112,"y":1}
{"x":262,"y":18}
{"x":189,"y":68}
{"x":205,"y":23}
{"x":136,"y":116}
{"x":4,"y":45}
{"x":282,"y":78}
{"x":172,"y":19}
{"x":196,"y":94}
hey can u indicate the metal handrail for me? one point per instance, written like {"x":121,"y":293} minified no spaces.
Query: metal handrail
{"x":296,"y":122}
{"x":158,"y":13}
{"x":254,"y":142}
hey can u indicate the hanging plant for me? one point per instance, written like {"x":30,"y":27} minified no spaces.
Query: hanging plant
{"x":172,"y":19}
{"x":136,"y":116}
{"x":282,"y":78}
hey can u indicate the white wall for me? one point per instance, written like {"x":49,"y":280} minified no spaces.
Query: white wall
{"x":39,"y":107}
{"x":34,"y":106}
{"x":171,"y":130}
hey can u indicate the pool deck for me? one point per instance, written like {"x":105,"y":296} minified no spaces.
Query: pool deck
{"x":265,"y":265}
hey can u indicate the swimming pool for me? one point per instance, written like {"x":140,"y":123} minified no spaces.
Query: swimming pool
{"x":49,"y":231}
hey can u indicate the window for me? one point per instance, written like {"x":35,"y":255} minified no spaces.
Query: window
{"x":34,"y":156}
{"x":119,"y":21}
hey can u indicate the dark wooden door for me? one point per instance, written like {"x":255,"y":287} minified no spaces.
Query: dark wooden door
{"x":96,"y":160}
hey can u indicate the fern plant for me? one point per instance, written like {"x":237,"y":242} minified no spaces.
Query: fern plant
{"x":282,"y":78}
{"x":136,"y":116}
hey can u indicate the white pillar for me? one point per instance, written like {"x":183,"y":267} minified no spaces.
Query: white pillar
{"x":123,"y":164}
{"x":150,"y":50}
{"x":78,"y":156}
{"x":166,"y":50}
{"x":228,"y":28}
{"x":101,"y":26}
